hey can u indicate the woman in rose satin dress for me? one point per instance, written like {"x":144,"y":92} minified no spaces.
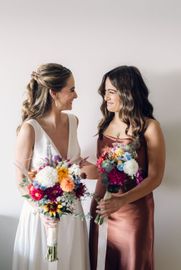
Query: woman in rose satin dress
{"x":128,"y":118}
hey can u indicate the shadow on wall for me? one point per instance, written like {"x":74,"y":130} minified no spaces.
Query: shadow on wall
{"x":8,"y":227}
{"x":165,"y":95}
{"x":173,"y":155}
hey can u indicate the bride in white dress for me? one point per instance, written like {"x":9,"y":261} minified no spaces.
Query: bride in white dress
{"x":45,"y":128}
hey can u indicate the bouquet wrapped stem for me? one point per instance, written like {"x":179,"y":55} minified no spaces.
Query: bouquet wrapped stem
{"x":99,"y":219}
{"x":51,"y":255}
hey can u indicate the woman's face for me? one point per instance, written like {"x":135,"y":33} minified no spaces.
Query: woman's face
{"x":64,"y":98}
{"x":112,"y":97}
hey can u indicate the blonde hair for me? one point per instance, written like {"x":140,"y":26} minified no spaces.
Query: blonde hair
{"x":38,"y":101}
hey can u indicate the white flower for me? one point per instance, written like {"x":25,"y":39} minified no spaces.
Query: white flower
{"x":130,"y":167}
{"x":74,"y":169}
{"x":47,"y":177}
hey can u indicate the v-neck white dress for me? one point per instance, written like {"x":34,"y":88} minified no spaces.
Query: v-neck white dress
{"x":30,"y":241}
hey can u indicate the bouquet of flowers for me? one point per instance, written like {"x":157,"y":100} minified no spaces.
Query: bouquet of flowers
{"x":53,"y":188}
{"x":119,"y":170}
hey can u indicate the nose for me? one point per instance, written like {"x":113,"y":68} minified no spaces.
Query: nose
{"x":75,"y":94}
{"x":106,"y":96}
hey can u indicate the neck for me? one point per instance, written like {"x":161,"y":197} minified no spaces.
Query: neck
{"x":53,"y":117}
{"x":117,"y":118}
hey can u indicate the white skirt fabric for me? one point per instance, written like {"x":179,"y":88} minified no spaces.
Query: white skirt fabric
{"x":30,"y":242}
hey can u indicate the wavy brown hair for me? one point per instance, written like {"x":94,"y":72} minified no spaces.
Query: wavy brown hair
{"x":38,"y":100}
{"x":134,"y":99}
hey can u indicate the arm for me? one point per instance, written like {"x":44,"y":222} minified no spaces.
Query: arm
{"x":24,"y":146}
{"x":156,"y":164}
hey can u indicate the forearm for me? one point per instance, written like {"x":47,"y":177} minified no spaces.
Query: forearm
{"x":141,"y":190}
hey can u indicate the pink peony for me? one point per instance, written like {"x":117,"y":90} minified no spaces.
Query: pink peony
{"x":36,"y":194}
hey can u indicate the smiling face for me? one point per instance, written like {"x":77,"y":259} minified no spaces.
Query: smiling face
{"x":64,"y":98}
{"x":112,"y":97}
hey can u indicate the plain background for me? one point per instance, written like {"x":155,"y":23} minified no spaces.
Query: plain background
{"x":91,"y":37}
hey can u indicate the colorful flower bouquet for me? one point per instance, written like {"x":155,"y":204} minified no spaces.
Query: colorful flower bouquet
{"x":53,"y":188}
{"x":119,"y":170}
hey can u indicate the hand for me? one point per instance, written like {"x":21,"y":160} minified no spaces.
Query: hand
{"x":83,"y":162}
{"x":49,"y":222}
{"x":107,"y":207}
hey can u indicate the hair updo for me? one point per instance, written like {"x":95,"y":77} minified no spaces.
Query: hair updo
{"x":38,"y":101}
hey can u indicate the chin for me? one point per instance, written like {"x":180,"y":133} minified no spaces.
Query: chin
{"x":110,"y":110}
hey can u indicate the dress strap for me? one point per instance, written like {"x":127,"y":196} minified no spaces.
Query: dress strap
{"x":33,"y":123}
{"x":73,"y":121}
{"x":40,"y":133}
{"x":74,"y":148}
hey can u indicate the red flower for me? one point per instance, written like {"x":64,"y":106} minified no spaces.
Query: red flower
{"x":36,"y":194}
{"x":54,"y":192}
{"x":99,"y":164}
{"x":80,"y":190}
{"x":116,"y":177}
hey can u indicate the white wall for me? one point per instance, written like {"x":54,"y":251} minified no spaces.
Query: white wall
{"x":91,"y":37}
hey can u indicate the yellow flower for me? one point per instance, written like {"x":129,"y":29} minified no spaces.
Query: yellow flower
{"x":52,"y":208}
{"x":62,"y":173}
{"x":119,"y":152}
{"x":45,"y":208}
{"x":67,"y":184}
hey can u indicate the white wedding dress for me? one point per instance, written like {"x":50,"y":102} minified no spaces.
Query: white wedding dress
{"x":30,"y":241}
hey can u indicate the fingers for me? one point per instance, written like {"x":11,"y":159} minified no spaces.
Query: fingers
{"x":106,"y":207}
{"x":103,"y":208}
{"x":83,"y":161}
{"x":49,"y":222}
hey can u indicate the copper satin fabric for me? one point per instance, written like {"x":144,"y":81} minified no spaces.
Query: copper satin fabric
{"x":130,"y":230}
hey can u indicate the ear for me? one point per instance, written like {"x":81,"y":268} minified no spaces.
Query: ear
{"x":52,"y":93}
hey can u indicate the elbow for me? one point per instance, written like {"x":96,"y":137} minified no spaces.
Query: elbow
{"x":157,"y":181}
{"x":156,"y":176}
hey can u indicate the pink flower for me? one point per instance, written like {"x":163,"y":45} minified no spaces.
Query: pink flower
{"x":139,"y":177}
{"x":36,"y":194}
{"x":99,"y":165}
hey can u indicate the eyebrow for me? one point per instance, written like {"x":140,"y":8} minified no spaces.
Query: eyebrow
{"x":110,"y":89}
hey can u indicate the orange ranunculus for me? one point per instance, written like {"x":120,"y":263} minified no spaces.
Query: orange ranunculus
{"x":67,"y":184}
{"x":62,"y":173}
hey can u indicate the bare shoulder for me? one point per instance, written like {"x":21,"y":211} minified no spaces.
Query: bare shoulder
{"x":152,"y":125}
{"x":153,"y":131}
{"x":25,"y":143}
{"x":26,"y":132}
